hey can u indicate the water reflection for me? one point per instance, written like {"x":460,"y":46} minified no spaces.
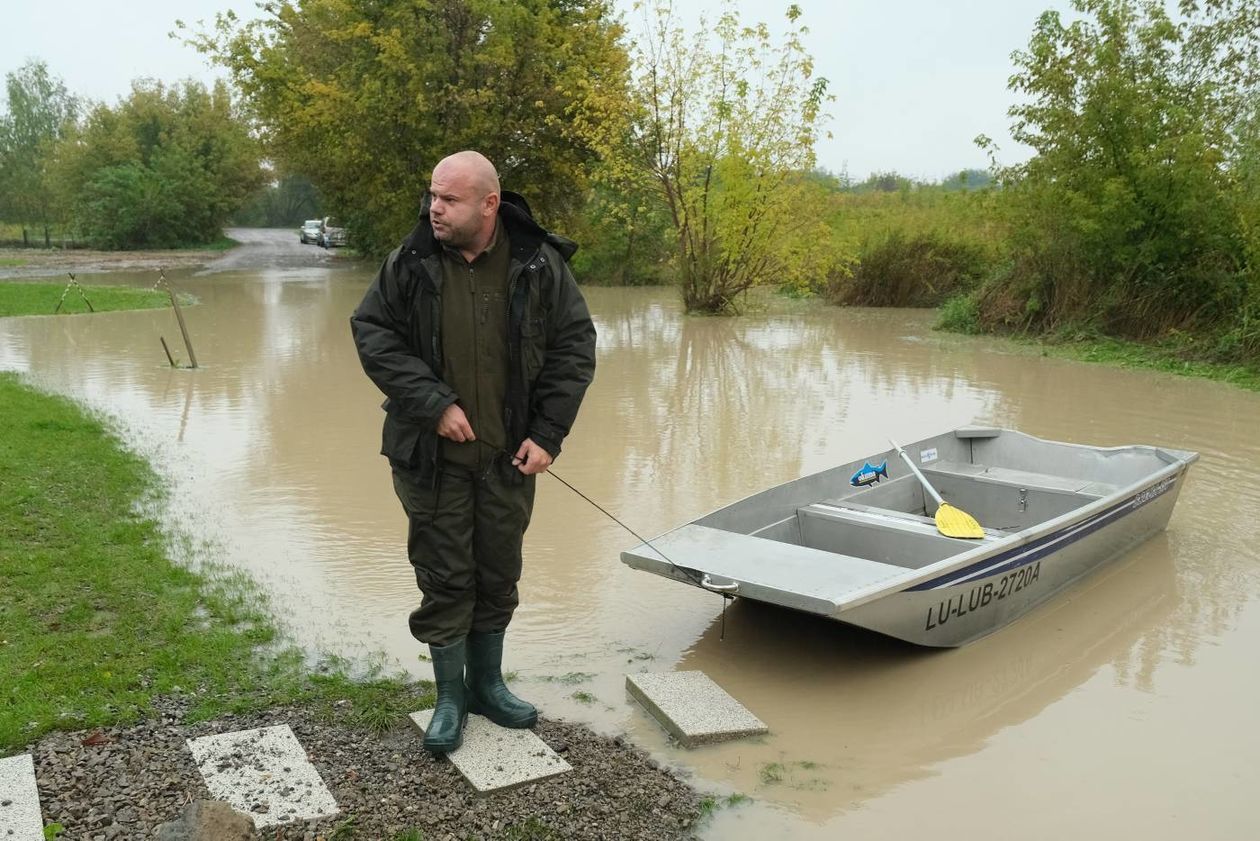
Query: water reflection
{"x":270,"y":451}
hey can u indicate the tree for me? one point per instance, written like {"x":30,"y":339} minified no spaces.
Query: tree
{"x":1127,"y":215}
{"x":39,"y":110}
{"x":366,"y":97}
{"x":288,"y":200}
{"x":722,"y":129}
{"x":164,"y":168}
{"x":968,"y":179}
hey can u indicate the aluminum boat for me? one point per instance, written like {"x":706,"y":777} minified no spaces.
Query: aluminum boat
{"x":858,"y":543}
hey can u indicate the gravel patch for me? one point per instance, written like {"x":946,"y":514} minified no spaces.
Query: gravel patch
{"x":122,"y":782}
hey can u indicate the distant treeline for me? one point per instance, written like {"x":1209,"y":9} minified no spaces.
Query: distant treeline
{"x":689,"y":158}
{"x":1137,"y":217}
{"x":162,"y":168}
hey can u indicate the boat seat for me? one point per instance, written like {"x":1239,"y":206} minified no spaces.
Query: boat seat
{"x":886,"y":517}
{"x":1020,"y":478}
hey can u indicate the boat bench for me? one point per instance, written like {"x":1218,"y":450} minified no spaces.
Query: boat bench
{"x":881,"y":534}
{"x":1019,"y":478}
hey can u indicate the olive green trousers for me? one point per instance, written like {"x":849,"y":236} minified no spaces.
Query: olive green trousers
{"x":464,"y":538}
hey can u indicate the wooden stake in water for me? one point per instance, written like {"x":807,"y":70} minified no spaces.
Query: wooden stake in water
{"x":169,"y":358}
{"x":183,"y":328}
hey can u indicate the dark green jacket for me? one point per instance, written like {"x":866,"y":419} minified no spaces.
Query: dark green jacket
{"x":551,"y":340}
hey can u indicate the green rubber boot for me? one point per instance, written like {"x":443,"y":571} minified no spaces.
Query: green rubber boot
{"x":445,"y":732}
{"x":487,"y":694}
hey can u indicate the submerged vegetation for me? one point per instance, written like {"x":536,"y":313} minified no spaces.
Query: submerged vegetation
{"x":687,"y":158}
{"x":98,"y":620}
{"x":50,"y":298}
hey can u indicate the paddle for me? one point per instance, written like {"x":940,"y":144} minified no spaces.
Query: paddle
{"x":950,"y":521}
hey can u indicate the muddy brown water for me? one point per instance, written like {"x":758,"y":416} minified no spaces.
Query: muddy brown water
{"x":1127,"y":705}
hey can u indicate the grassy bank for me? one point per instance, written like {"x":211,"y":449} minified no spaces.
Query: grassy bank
{"x":1169,"y":357}
{"x":96,"y":620}
{"x":1180,"y":354}
{"x":42,"y":298}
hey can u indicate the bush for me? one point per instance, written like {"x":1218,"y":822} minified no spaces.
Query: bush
{"x":919,"y":270}
{"x":960,"y":314}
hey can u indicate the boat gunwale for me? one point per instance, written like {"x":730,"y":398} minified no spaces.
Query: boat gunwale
{"x":918,"y":579}
{"x":1176,"y":462}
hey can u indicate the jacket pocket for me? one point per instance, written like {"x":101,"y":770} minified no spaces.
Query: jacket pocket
{"x":400,"y":441}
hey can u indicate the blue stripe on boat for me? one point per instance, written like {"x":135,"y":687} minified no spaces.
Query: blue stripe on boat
{"x":1049,"y":544}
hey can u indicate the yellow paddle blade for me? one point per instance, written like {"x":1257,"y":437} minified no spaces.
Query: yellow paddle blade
{"x":954,"y":522}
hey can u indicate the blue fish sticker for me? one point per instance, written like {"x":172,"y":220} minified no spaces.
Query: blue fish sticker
{"x":869,"y":475}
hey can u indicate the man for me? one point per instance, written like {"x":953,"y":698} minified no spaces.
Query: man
{"x":477,"y":334}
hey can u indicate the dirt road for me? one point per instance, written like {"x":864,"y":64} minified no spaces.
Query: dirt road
{"x":269,"y":248}
{"x":260,"y":248}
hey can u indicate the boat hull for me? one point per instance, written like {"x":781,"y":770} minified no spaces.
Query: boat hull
{"x":958,"y":609}
{"x":872,"y":556}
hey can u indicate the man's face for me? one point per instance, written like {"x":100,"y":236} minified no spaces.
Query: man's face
{"x":457,"y":209}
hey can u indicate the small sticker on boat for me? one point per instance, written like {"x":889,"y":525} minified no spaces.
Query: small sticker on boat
{"x":869,"y":474}
{"x":927,"y":455}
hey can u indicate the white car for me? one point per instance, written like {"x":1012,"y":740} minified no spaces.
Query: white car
{"x":311,"y":230}
{"x":332,"y":233}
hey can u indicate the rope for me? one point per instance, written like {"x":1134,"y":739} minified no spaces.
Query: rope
{"x":698,"y":581}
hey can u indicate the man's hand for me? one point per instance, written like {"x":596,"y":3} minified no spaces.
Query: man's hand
{"x":454,"y":425}
{"x":531,"y":458}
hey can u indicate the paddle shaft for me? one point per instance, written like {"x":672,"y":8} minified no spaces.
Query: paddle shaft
{"x":927,"y":486}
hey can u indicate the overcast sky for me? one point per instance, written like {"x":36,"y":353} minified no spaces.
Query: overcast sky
{"x":915,"y":80}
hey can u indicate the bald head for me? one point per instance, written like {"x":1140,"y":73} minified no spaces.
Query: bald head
{"x":472,"y":168}
{"x":464,"y":202}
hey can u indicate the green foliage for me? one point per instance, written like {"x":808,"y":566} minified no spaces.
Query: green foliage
{"x":1132,"y":216}
{"x":164,"y":168}
{"x":968,"y":179}
{"x":38,"y":112}
{"x":883,"y":182}
{"x":98,"y":620}
{"x":286,"y":202}
{"x":625,"y":236}
{"x":718,"y":132}
{"x":365,"y":98}
{"x":919,"y":270}
{"x":960,"y":314}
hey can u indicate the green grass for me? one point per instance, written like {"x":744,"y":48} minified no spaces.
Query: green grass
{"x":223,"y":243}
{"x":96,"y":620}
{"x":11,"y":262}
{"x":1175,"y":355}
{"x":569,"y":678}
{"x":42,"y":298}
{"x":711,"y":804}
{"x":1158,"y":357}
{"x":790,"y":774}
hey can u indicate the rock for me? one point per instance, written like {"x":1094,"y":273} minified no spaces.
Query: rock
{"x":208,"y":820}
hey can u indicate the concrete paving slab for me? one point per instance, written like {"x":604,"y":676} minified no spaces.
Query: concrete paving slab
{"x":693,"y":708}
{"x":263,"y":773}
{"x":20,"y":818}
{"x":494,"y":757}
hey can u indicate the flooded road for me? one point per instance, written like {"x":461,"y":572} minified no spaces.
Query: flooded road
{"x":1123,"y":706}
